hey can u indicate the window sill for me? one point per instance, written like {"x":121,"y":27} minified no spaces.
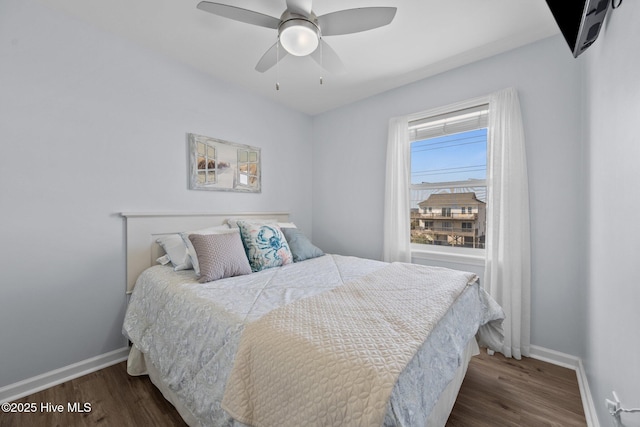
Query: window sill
{"x":448,"y":254}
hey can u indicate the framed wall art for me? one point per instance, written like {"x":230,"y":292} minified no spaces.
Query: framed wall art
{"x":222,"y":165}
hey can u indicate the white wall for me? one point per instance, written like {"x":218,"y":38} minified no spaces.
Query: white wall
{"x":611,"y":123}
{"x":349,"y":166}
{"x":91,"y":126}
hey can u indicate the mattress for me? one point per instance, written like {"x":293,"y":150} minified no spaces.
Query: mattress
{"x":190,"y":332}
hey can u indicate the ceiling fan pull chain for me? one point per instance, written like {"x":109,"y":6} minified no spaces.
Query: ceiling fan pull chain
{"x":321,"y":61}
{"x":278,"y":64}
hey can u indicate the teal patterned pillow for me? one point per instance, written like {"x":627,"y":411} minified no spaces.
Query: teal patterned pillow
{"x":265,"y":245}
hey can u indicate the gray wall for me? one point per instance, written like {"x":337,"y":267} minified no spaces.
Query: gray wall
{"x":91,"y":125}
{"x":349,"y":167}
{"x":611,"y":129}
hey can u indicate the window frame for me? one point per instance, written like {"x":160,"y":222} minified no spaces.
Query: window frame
{"x":442,"y":253}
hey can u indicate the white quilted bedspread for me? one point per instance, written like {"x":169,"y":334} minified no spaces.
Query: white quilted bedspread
{"x":333,"y":359}
{"x":191,"y":332}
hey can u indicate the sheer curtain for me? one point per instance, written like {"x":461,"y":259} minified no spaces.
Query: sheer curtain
{"x":507,"y":274}
{"x":397,"y":202}
{"x":508,"y":261}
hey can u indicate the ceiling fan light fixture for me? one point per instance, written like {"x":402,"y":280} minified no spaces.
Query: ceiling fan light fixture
{"x":299,"y":37}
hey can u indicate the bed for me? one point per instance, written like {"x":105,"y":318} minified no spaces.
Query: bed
{"x":200,"y":343}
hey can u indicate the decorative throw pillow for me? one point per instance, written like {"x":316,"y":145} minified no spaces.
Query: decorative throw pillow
{"x":218,"y":229}
{"x":301,"y":247}
{"x":265,"y":245}
{"x":220,"y":256}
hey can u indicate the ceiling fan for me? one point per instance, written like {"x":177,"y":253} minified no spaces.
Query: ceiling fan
{"x":301,"y":32}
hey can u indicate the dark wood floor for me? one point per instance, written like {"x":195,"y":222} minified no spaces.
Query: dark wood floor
{"x":496,"y":392}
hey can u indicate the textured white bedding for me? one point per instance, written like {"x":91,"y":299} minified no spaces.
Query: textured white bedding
{"x":190,"y":332}
{"x":333,"y":359}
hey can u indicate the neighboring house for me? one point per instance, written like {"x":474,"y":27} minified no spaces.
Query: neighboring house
{"x":452,"y":219}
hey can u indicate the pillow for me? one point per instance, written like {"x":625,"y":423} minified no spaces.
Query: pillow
{"x":175,"y":250}
{"x":189,"y":246}
{"x":265,"y":245}
{"x":233,"y":222}
{"x":164,"y":259}
{"x":220,"y":256}
{"x":301,"y":247}
{"x":286,"y":225}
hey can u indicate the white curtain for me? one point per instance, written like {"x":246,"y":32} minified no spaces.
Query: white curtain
{"x":508,"y":260}
{"x":508,"y":254}
{"x":397,"y":202}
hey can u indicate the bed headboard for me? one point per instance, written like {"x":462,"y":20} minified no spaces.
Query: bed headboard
{"x":142,"y":230}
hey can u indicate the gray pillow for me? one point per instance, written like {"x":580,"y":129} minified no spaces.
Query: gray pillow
{"x":301,"y":247}
{"x":220,"y":256}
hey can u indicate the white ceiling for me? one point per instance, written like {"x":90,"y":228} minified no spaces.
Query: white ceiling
{"x":425,"y":38}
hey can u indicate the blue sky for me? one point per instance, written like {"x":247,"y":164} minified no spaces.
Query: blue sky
{"x":456,"y":157}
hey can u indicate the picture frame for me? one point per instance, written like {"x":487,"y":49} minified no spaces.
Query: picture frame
{"x":219,"y":165}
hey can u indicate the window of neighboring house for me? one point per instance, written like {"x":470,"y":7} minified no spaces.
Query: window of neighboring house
{"x":448,"y":174}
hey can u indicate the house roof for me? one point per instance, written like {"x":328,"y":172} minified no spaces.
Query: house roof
{"x":451,"y":199}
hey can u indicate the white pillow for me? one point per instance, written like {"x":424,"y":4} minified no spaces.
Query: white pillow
{"x":286,"y":225}
{"x":176,"y":251}
{"x":233,"y":222}
{"x":191,"y":252}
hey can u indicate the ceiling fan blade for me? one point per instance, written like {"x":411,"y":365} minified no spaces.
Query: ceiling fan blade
{"x":355,"y":20}
{"x":328,"y":59}
{"x":301,"y":7}
{"x":238,"y":14}
{"x":271,"y":57}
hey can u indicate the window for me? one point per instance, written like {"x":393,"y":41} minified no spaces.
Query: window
{"x":247,"y":167}
{"x":207,"y":159}
{"x":448,"y":178}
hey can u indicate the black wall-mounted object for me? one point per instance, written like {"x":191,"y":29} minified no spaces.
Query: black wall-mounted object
{"x":580,"y":21}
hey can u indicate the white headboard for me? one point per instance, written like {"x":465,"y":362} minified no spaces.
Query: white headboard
{"x":142,"y":230}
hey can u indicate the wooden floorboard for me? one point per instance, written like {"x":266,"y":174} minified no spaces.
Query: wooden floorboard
{"x":496,"y":392}
{"x":506,"y":392}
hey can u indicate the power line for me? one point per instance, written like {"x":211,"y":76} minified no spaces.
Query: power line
{"x":430,"y":148}
{"x":458,"y":168}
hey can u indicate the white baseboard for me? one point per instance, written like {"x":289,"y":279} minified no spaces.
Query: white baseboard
{"x":41,"y":382}
{"x":575,"y":363}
